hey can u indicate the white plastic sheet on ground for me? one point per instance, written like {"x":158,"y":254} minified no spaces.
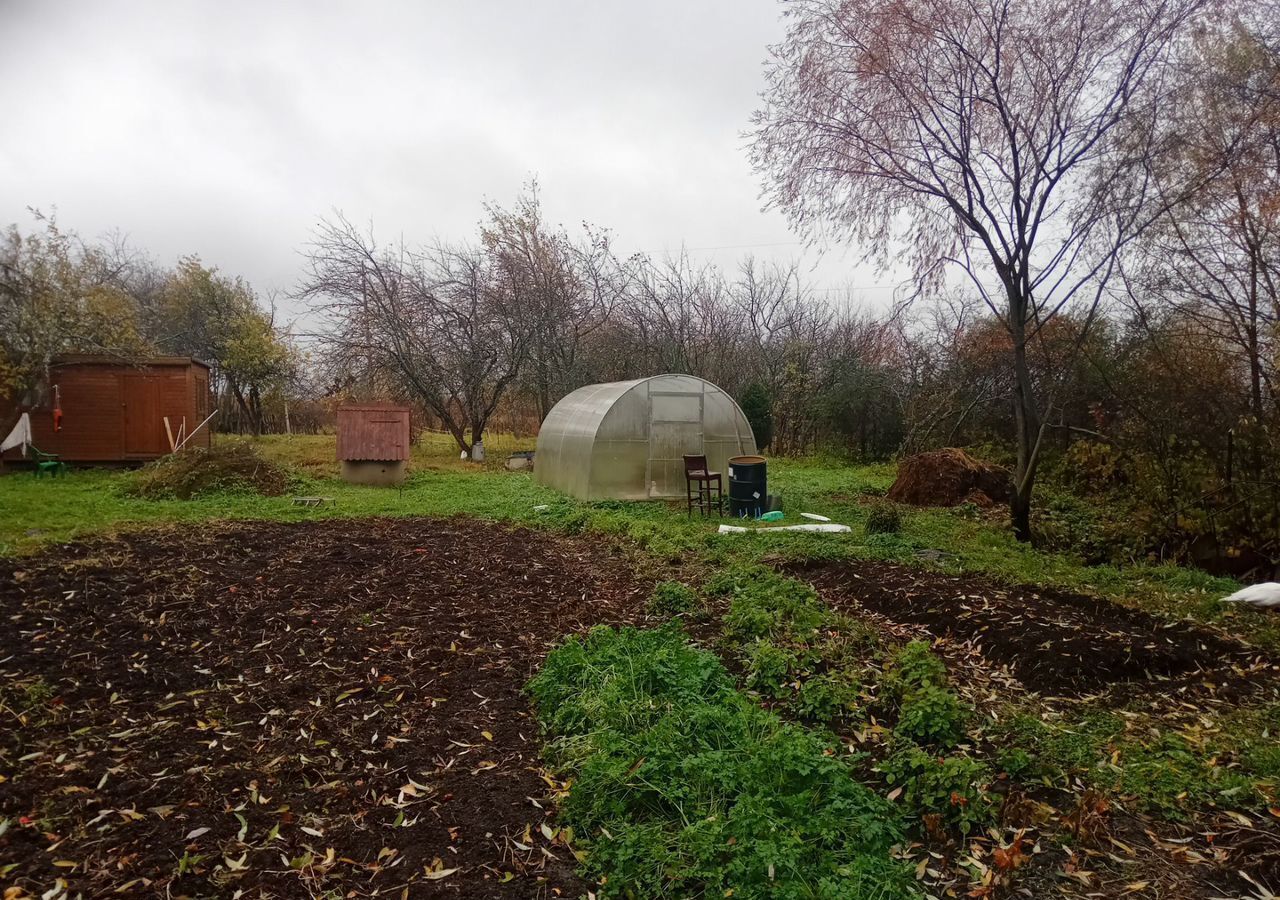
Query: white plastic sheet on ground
{"x":824,"y":529}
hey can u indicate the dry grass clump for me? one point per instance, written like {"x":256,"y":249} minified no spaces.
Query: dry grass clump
{"x":228,"y":466}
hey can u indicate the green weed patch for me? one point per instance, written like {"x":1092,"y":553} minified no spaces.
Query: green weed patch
{"x":682,"y":786}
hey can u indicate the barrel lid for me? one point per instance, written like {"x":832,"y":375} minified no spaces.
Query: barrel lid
{"x":745,"y":460}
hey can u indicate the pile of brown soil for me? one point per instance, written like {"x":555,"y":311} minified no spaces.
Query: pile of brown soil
{"x":227,"y":466}
{"x":948,"y":477}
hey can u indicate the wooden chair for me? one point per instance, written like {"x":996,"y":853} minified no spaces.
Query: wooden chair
{"x":705,"y":486}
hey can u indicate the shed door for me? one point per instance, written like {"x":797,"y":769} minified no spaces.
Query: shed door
{"x":386,"y":434}
{"x":675,"y":428}
{"x":143,"y":430}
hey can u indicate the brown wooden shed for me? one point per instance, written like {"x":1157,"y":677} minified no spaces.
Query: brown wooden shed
{"x":114,"y":411}
{"x":373,"y":443}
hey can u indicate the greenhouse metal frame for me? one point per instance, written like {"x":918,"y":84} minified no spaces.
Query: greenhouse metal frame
{"x":626,"y":440}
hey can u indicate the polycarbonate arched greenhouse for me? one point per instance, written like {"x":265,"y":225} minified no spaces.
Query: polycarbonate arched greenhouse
{"x":626,"y":440}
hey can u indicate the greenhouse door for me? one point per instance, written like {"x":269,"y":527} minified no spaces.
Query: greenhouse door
{"x":675,"y":428}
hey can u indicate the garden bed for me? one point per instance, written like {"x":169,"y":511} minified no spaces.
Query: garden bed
{"x":1054,"y":642}
{"x":329,"y":708}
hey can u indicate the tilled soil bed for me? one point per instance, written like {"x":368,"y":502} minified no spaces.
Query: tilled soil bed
{"x":290,"y":710}
{"x":1054,"y":642}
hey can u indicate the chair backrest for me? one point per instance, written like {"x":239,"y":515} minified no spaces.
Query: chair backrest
{"x":694,"y":464}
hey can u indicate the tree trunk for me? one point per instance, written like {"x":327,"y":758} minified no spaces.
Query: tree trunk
{"x":1026,"y":421}
{"x":242,"y":404}
{"x":1020,"y":515}
{"x":459,"y":435}
{"x":544,"y":390}
{"x":1255,"y":372}
{"x":255,"y":411}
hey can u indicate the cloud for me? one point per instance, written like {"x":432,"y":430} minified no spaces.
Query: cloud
{"x":230,"y":128}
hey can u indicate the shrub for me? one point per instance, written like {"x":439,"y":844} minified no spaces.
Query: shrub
{"x":682,"y":786}
{"x":757,"y":406}
{"x":883,"y":517}
{"x":932,"y":715}
{"x":953,"y":788}
{"x":671,"y":598}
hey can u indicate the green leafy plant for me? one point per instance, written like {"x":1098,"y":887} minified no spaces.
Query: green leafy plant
{"x":190,"y":862}
{"x":825,"y":697}
{"x":952,"y":788}
{"x":37,"y":693}
{"x":682,"y":786}
{"x":770,"y":668}
{"x":671,"y":598}
{"x":1055,"y":752}
{"x":932,"y":715}
{"x":1169,"y":778}
{"x":772,"y":606}
{"x":1015,"y":761}
{"x":913,"y":667}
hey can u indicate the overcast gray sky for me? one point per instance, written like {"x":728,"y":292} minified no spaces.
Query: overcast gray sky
{"x":229,"y":128}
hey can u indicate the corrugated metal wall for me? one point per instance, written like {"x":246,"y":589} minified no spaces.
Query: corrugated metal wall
{"x":373,"y":431}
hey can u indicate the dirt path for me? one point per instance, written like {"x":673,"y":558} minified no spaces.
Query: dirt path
{"x":1053,"y":642}
{"x":290,"y":710}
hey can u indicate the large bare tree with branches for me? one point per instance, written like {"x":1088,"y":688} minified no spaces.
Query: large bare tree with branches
{"x":1002,"y":139}
{"x":442,"y":322}
{"x":565,"y":289}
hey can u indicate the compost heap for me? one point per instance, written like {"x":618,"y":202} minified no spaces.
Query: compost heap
{"x":949,"y":477}
{"x":227,"y":466}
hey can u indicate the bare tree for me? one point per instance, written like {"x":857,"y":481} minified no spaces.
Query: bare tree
{"x":565,"y":289}
{"x":681,"y":319}
{"x":1008,"y":140}
{"x":442,"y":322}
{"x":1218,"y":256}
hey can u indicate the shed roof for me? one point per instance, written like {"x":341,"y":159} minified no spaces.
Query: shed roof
{"x":101,"y":359}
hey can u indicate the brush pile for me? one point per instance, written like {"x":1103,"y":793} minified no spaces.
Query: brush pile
{"x":195,"y":472}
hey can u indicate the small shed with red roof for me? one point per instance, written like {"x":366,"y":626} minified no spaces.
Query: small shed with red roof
{"x":373,"y":443}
